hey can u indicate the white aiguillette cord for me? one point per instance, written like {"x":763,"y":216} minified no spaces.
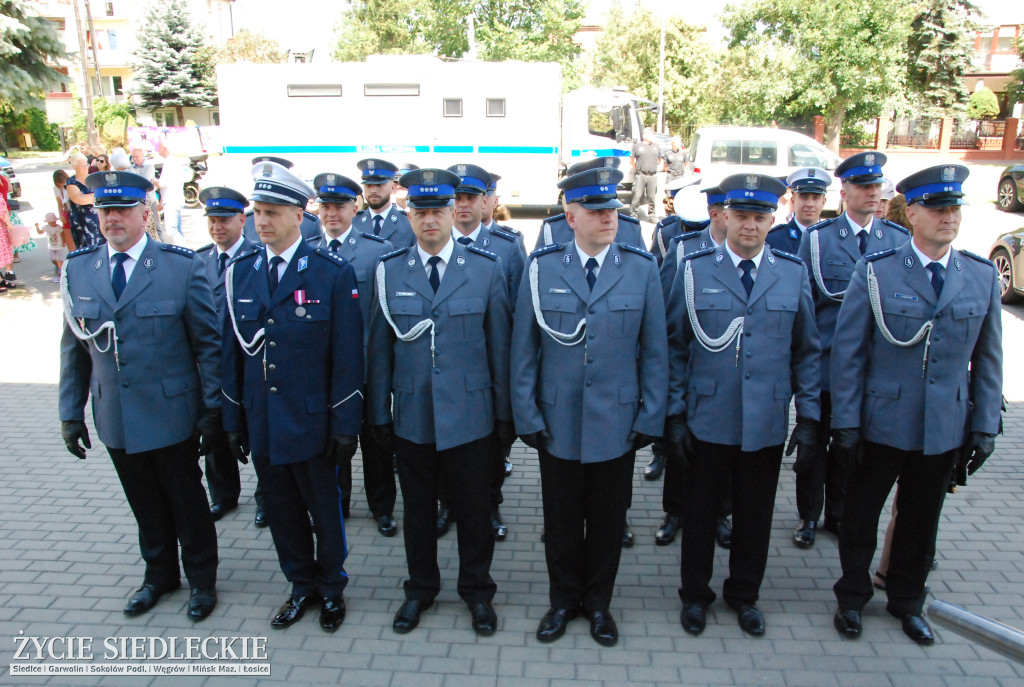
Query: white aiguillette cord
{"x":925,"y":332}
{"x":78,"y":328}
{"x":417,"y":329}
{"x":560,"y":337}
{"x":816,"y":270}
{"x":717,"y":345}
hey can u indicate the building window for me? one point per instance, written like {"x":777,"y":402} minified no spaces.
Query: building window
{"x":109,"y":6}
{"x":453,"y":107}
{"x":118,"y":90}
{"x":166,"y":118}
{"x":390,"y":89}
{"x":495,"y":107}
{"x":215,"y":117}
{"x":312,"y":90}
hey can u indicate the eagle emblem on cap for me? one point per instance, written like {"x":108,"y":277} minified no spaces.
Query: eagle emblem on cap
{"x":609,"y":162}
{"x":428,"y":176}
{"x":110,"y":178}
{"x":215,"y":192}
{"x":369,"y":164}
{"x":267,"y":169}
{"x":949,"y":173}
{"x":331,"y":179}
{"x":461,"y":170}
{"x":604,"y":176}
{"x":752,"y":182}
{"x":810,"y":174}
{"x":869,"y":159}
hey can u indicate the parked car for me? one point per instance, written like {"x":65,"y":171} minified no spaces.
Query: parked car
{"x":1011,"y":189}
{"x":1007,"y":256}
{"x":7,"y":169}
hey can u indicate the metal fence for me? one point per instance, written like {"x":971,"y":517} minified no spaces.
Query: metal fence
{"x":922,"y":132}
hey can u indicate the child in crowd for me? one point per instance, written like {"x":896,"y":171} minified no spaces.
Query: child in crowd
{"x":54,"y":230}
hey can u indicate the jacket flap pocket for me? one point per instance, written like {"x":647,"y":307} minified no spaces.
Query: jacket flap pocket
{"x":718,"y":301}
{"x":311,"y":312}
{"x":626,"y":302}
{"x":475,"y":382}
{"x":787,"y":303}
{"x":89,"y":311}
{"x":466,"y":306}
{"x":247,"y":312}
{"x":154,"y":308}
{"x":406,"y":306}
{"x":783,"y":390}
{"x":877,"y":387}
{"x":559,"y":302}
{"x":175,"y":386}
{"x":362,"y":275}
{"x":316,"y":404}
{"x":967,"y":309}
{"x":703,"y":386}
{"x":903,"y":306}
{"x":628,"y":395}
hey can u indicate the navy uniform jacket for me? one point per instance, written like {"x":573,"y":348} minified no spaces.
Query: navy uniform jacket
{"x":362,"y":252}
{"x":168,"y":347}
{"x":454,"y":396}
{"x":839,"y":254}
{"x":395,"y":227}
{"x":693,"y":241}
{"x":590,"y":396}
{"x":664,"y":231}
{"x":556,"y":231}
{"x":306,"y":383}
{"x":879,"y":387}
{"x":785,"y":237}
{"x":208,"y":255}
{"x":310,"y":226}
{"x":509,"y":247}
{"x":742,"y":399}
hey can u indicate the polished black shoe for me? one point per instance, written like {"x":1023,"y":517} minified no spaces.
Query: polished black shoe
{"x":485,"y":620}
{"x":803,"y":535}
{"x":508,"y":468}
{"x":553,"y":624}
{"x":725,"y":532}
{"x":914,"y":626}
{"x":655,"y":468}
{"x":146,"y":596}
{"x":848,"y":623}
{"x":627,"y":536}
{"x":291,"y":611}
{"x":201,"y":603}
{"x":261,"y":518}
{"x":694,"y":618}
{"x":444,"y":520}
{"x":332,"y":613}
{"x":602,"y":628}
{"x":408,"y":616}
{"x":219,"y":510}
{"x":499,"y":526}
{"x":387,"y":526}
{"x":751,"y":620}
{"x":666,"y":534}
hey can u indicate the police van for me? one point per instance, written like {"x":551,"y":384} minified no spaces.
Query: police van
{"x":510,"y":118}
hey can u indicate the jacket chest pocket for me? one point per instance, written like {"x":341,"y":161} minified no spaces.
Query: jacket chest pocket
{"x":466,"y":317}
{"x":967,"y":318}
{"x":86,"y":311}
{"x":903,"y":316}
{"x":362,"y":276}
{"x":247,"y":318}
{"x":406,"y":311}
{"x":836,"y":274}
{"x":153,"y":317}
{"x":781,"y":314}
{"x":306,"y":324}
{"x":626,"y":310}
{"x":561,"y":311}
{"x":713,"y":312}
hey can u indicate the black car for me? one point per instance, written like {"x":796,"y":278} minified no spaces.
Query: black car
{"x":1007,"y":256}
{"x":1011,"y":188}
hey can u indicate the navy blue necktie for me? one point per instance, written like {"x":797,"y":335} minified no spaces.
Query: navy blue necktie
{"x":334,"y":245}
{"x":746,"y":279}
{"x":465,"y":240}
{"x":272,"y":275}
{"x":378,"y":222}
{"x":222,"y":263}
{"x":119,"y":279}
{"x":591,"y":272}
{"x":862,"y":238}
{"x":434,"y":277}
{"x":937,"y":269}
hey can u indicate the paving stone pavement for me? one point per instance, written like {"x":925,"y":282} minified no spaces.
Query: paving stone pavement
{"x":69,"y":559}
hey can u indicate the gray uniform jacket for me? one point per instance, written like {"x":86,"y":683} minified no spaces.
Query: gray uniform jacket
{"x":693,"y":241}
{"x":167,"y":364}
{"x":556,"y":231}
{"x":839,"y":252}
{"x":879,"y":387}
{"x":395,"y":227}
{"x":741,"y":398}
{"x":509,"y":247}
{"x":453,"y":395}
{"x":591,"y":395}
{"x":208,"y":255}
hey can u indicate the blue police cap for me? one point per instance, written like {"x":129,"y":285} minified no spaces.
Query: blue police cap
{"x":376,"y":171}
{"x":335,"y":188}
{"x":405,"y":168}
{"x":714,"y":194}
{"x":809,"y":180}
{"x":475,"y":180}
{"x":862,"y":169}
{"x":287,"y":164}
{"x":753,"y":192}
{"x":221,"y":201}
{"x":277,"y":184}
{"x":595,"y":189}
{"x":118,"y":189}
{"x":935,"y":187}
{"x":495,"y":178}
{"x":596,"y":163}
{"x":430,"y":188}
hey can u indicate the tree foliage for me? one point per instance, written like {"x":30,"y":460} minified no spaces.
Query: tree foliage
{"x":112,"y":119}
{"x":938,"y":54}
{"x":1015,"y":89}
{"x":982,"y":104}
{"x":27,"y":44}
{"x":255,"y":48}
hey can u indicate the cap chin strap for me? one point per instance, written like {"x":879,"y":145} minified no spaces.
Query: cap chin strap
{"x":925,"y":332}
{"x":560,"y":337}
{"x":417,"y":329}
{"x":717,"y":345}
{"x":816,"y":270}
{"x":78,"y":327}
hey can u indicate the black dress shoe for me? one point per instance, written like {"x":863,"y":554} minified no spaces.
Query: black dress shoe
{"x":627,"y":536}
{"x":552,"y":625}
{"x":848,"y":623}
{"x":146,"y":596}
{"x":444,"y":520}
{"x":725,"y":532}
{"x":751,"y":620}
{"x":803,"y":535}
{"x":332,"y":613}
{"x":499,"y":526}
{"x":201,"y":603}
{"x":291,"y":611}
{"x":219,"y":510}
{"x":694,"y":617}
{"x":508,"y":468}
{"x":387,"y":526}
{"x":666,"y":534}
{"x":655,"y":468}
{"x":485,"y":620}
{"x":914,"y":626}
{"x":408,"y":616}
{"x":261,"y":518}
{"x":602,"y":628}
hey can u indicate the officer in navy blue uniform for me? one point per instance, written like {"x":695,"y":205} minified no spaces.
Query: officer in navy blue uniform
{"x":225,"y":216}
{"x":808,"y":186}
{"x":127,"y":305}
{"x":742,"y":342}
{"x":556,"y":229}
{"x":673,"y":225}
{"x":438,"y":388}
{"x":917,"y":371}
{"x":337,"y":196}
{"x":310,"y":222}
{"x":381,"y":217}
{"x":589,"y":388}
{"x":830,"y":249}
{"x":293,"y":387}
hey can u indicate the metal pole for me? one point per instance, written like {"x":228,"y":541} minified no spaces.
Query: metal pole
{"x":90,"y":122}
{"x":1003,"y":639}
{"x":95,"y":55}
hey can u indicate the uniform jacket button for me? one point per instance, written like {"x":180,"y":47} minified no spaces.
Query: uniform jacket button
{"x":270,"y":321}
{"x":124,"y":385}
{"x":271,"y":367}
{"x":271,"y":344}
{"x":746,"y":376}
{"x":589,"y":382}
{"x":273,"y":389}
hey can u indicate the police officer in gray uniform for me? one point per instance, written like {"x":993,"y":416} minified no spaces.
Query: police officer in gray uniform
{"x":127,"y":304}
{"x":830,"y":249}
{"x":555,"y":230}
{"x":645,"y":157}
{"x":917,"y":371}
{"x":808,"y":186}
{"x":672,"y":225}
{"x":438,"y":388}
{"x":337,"y":196}
{"x":742,"y":342}
{"x":381,"y":217}
{"x":588,"y":371}
{"x":310,"y":222}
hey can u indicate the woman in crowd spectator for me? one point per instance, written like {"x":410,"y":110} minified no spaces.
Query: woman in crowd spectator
{"x":85,"y":226}
{"x":6,"y":252}
{"x":60,"y":194}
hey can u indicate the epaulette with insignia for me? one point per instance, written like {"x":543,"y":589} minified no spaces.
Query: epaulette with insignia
{"x":671,"y":219}
{"x":822,"y":223}
{"x":697,"y":254}
{"x":976,"y":257}
{"x":638,"y":251}
{"x":514,"y":232}
{"x":328,"y":255}
{"x":313,"y":239}
{"x":393,"y":253}
{"x":81,"y":251}
{"x":243,"y":254}
{"x":203,"y":249}
{"x":871,"y":257}
{"x":372,"y":237}
{"x":894,"y":225}
{"x":555,"y":218}
{"x":787,"y":256}
{"x":503,"y":234}
{"x":544,"y":250}
{"x":778,"y":226}
{"x":687,"y":235}
{"x":629,"y":219}
{"x":481,"y":251}
{"x":309,"y":215}
{"x":180,"y":250}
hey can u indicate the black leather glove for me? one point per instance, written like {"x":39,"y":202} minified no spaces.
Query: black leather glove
{"x":976,"y":451}
{"x":679,"y":439}
{"x":846,"y":443}
{"x":210,"y":431}
{"x":504,"y":433}
{"x":536,"y":440}
{"x":385,"y":436}
{"x":72,"y":431}
{"x":341,"y":448}
{"x":639,"y":440}
{"x":238,"y":444}
{"x":805,"y":440}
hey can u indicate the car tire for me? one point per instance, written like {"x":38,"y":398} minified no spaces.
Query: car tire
{"x":1004,"y":271}
{"x":1007,"y":199}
